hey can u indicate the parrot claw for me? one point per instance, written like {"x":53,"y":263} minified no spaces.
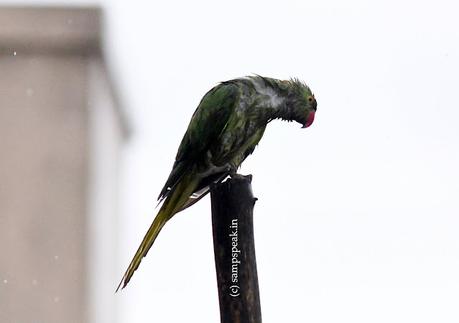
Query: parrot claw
{"x":241,"y":177}
{"x":212,"y":170}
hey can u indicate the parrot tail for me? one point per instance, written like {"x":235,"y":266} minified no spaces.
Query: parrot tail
{"x":172,"y":205}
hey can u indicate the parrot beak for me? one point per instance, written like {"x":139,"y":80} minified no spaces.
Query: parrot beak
{"x":309,"y":119}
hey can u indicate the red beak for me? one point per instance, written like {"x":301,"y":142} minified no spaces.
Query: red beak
{"x":310,"y":119}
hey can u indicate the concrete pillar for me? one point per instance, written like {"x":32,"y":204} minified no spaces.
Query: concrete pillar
{"x":60,"y":135}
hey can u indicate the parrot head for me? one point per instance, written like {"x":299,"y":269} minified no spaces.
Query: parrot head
{"x":301,"y":103}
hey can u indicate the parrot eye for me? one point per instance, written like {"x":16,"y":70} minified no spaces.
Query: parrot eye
{"x":310,"y":99}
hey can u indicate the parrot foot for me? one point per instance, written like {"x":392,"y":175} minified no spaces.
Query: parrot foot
{"x":240,"y":176}
{"x":212,"y":170}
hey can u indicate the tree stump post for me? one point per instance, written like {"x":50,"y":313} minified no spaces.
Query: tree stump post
{"x":232,"y":225}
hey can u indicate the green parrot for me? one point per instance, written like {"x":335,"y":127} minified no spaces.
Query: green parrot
{"x":225,"y":128}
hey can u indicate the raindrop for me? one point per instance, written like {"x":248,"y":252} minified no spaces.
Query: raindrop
{"x":29,"y":92}
{"x":56,"y":257}
{"x":34,"y":282}
{"x":14,"y":53}
{"x":5,"y":281}
{"x":56,"y":299}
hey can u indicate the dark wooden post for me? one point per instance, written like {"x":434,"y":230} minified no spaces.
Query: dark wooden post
{"x":232,"y":223}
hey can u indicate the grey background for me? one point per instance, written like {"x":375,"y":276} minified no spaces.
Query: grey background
{"x":357,"y":216}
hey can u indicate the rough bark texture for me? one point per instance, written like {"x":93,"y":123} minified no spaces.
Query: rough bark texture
{"x":232,"y":222}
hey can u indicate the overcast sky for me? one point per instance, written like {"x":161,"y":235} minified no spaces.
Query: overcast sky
{"x":357,"y":217}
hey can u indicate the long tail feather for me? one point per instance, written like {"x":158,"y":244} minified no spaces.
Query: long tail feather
{"x":147,"y":242}
{"x":172,"y":205}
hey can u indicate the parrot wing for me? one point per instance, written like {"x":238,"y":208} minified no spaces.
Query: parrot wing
{"x":207,"y":123}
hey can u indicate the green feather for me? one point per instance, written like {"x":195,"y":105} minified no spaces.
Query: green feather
{"x":172,"y":205}
{"x":225,"y":128}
